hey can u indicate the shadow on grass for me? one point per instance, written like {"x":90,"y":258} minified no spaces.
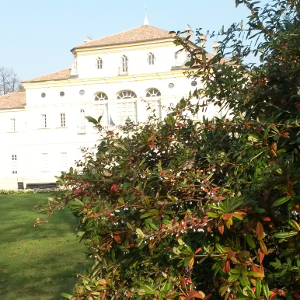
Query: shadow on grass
{"x":37,"y":262}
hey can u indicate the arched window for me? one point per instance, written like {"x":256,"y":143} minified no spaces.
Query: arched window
{"x":126,"y":109}
{"x":127,"y":94}
{"x":124,"y":64}
{"x":153,"y":93}
{"x":151,"y":58}
{"x":99,"y":63}
{"x":101,"y":108}
{"x":101,"y":96}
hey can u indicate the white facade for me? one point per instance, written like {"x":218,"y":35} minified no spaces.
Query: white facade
{"x":46,"y":136}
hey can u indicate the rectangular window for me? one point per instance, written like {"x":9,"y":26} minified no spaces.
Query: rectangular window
{"x":44,"y":121}
{"x":63,"y":161}
{"x":82,"y":119}
{"x":124,"y":64}
{"x":62,"y":120}
{"x":14,"y":163}
{"x":154,"y":108}
{"x":13,"y":124}
{"x":44,"y":162}
{"x":102,"y":110}
{"x":126,"y":112}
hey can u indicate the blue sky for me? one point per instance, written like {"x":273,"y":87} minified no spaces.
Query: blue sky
{"x":36,"y":36}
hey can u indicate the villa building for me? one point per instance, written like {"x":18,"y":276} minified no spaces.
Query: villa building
{"x":43,"y":129}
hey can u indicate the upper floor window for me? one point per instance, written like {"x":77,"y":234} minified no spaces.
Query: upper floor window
{"x":124,"y":64}
{"x":151,"y":58}
{"x":62,"y":120}
{"x":101,"y":96}
{"x":13,"y":124}
{"x":44,"y":121}
{"x":153,"y":93}
{"x":126,"y":95}
{"x":99,"y":63}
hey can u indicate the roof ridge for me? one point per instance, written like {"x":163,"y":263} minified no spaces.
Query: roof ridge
{"x":154,"y":32}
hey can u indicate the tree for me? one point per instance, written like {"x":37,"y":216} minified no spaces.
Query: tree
{"x":9,"y":82}
{"x":195,"y":210}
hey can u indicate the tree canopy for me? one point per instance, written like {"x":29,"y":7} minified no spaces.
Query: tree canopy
{"x":182,"y":209}
{"x":9,"y":82}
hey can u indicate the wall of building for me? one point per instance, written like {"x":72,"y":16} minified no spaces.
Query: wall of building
{"x":42,"y":150}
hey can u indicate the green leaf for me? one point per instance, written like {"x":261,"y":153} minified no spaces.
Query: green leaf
{"x":255,"y":274}
{"x":92,"y":120}
{"x":212,"y":215}
{"x":139,"y":232}
{"x":284,"y":235}
{"x":233,"y":277}
{"x":281,"y":200}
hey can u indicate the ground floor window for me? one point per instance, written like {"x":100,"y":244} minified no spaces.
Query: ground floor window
{"x":14,"y":163}
{"x":44,"y":162}
{"x":126,"y":111}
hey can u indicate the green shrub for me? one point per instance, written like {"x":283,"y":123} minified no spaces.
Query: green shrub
{"x":183,"y":209}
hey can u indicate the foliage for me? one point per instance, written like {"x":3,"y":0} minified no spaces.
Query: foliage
{"x":185,"y":209}
{"x":29,"y":191}
{"x":9,"y":82}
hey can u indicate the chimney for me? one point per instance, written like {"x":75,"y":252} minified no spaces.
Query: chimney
{"x":202,"y":41}
{"x":189,"y":32}
{"x":216,"y":47}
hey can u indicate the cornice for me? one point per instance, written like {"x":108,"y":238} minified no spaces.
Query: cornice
{"x":123,"y":48}
{"x":104,"y":80}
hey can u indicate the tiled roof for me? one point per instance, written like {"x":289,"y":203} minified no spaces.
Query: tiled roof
{"x":138,"y":34}
{"x":222,"y":61}
{"x":13,"y":100}
{"x":63,"y":74}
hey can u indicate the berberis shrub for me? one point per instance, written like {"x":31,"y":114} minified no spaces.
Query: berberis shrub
{"x":183,"y":209}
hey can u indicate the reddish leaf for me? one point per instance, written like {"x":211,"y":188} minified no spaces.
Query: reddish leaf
{"x":272,"y":296}
{"x":194,"y":295}
{"x":114,"y":187}
{"x":261,"y":257}
{"x":152,"y":146}
{"x":79,"y":192}
{"x":117,"y":238}
{"x":221,"y":228}
{"x":221,"y":198}
{"x":227,"y":266}
{"x":258,"y":269}
{"x":285,"y":134}
{"x":103,"y":297}
{"x":198,"y":250}
{"x":259,"y":230}
{"x":207,"y":297}
{"x":279,"y":292}
{"x":267,"y":219}
{"x":227,"y":217}
{"x":179,"y":124}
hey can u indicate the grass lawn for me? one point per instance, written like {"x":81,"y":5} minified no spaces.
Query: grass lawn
{"x":37,"y":263}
